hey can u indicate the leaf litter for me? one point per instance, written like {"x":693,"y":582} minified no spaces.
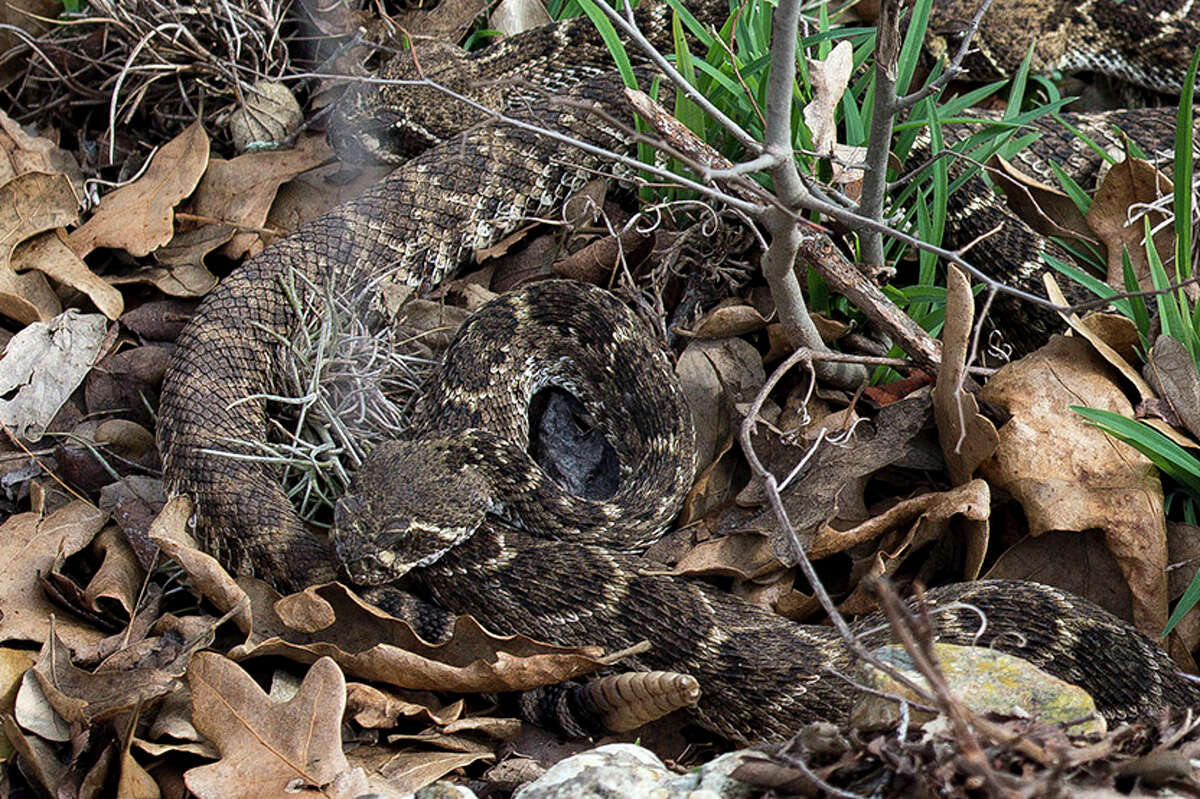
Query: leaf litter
{"x":115,"y":632}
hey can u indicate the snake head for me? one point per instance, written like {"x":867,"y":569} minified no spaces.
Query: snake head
{"x":409,"y":503}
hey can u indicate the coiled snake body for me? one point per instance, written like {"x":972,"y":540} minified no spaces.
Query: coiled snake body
{"x":502,"y":543}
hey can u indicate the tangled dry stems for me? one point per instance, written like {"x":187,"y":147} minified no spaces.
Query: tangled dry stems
{"x":153,"y":66}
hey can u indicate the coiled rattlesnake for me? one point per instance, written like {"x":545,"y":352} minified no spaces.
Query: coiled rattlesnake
{"x":761,"y":675}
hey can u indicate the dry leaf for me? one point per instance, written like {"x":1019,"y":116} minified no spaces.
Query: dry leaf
{"x":231,"y":203}
{"x":268,"y":749}
{"x":831,"y":470}
{"x":119,"y":578}
{"x":829,"y":79}
{"x":139,"y":217}
{"x":514,"y":16}
{"x":745,"y":556}
{"x":716,"y":377}
{"x":1078,"y":562}
{"x":21,"y":153}
{"x":13,"y":665}
{"x":43,"y":365}
{"x":1068,"y":475}
{"x":39,"y":762}
{"x":127,"y":383}
{"x":1096,"y":334}
{"x":34,"y":713}
{"x":88,"y":698}
{"x":28,"y":547}
{"x":169,"y":532}
{"x":133,"y":502}
{"x":311,"y":194}
{"x":406,"y":772}
{"x":1128,"y":182}
{"x":1171,"y":370}
{"x":728,"y":320}
{"x":50,"y":254}
{"x":30,"y":204}
{"x":966,"y":437}
{"x":1044,"y":207}
{"x":911,"y":523}
{"x":377,"y":708}
{"x":328,"y":620}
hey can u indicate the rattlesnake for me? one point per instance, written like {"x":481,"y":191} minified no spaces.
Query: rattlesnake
{"x":761,"y":675}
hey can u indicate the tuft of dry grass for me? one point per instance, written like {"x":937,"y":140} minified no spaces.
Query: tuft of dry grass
{"x":129,"y":75}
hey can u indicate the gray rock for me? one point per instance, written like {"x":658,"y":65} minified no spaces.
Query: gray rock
{"x":625,"y":771}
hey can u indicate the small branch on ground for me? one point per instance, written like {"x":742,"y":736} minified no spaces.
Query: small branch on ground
{"x":888,"y":106}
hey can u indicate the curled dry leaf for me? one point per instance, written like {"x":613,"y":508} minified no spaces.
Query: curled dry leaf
{"x":1171,"y":370}
{"x":30,"y":204}
{"x":1131,"y":181}
{"x":831,"y":469}
{"x":50,"y":254}
{"x":43,"y":364}
{"x":169,"y":533}
{"x":119,"y":577}
{"x":966,"y":437}
{"x":376,"y":708}
{"x":329,"y":620}
{"x":87,"y":698}
{"x":829,"y":79}
{"x":28,"y":547}
{"x":139,"y":217}
{"x":911,"y":523}
{"x":268,"y":748}
{"x":1068,"y":475}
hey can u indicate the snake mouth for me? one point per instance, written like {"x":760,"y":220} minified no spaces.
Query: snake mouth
{"x":374,"y":568}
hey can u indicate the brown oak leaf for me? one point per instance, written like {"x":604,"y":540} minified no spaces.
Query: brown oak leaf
{"x":269,"y":748}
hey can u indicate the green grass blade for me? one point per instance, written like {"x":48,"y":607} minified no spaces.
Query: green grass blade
{"x":1138,"y":311}
{"x":914,"y":40}
{"x":1183,"y":174}
{"x":611,"y":40}
{"x":1170,"y":458}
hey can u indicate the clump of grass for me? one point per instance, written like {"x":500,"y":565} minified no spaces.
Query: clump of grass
{"x":345,"y":383}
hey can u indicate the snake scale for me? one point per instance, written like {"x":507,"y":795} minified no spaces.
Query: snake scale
{"x":490,"y":534}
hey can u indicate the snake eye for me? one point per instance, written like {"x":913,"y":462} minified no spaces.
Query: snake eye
{"x":346,"y":510}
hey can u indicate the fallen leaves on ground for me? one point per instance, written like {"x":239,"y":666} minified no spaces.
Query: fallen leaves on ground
{"x":1069,"y":475}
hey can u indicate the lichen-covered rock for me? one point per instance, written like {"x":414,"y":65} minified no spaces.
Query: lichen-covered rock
{"x":987,"y":681}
